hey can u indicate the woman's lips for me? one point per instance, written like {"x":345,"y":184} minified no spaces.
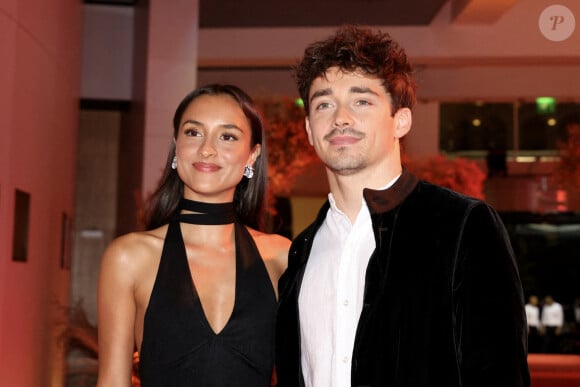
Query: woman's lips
{"x":206,"y":167}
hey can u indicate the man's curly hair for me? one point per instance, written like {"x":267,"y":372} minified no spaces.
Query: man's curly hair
{"x":355,"y":48}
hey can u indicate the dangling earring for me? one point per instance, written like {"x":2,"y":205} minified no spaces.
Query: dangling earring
{"x":174,"y":163}
{"x":248,"y":172}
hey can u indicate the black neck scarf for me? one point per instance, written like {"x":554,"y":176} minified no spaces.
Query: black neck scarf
{"x":206,"y":213}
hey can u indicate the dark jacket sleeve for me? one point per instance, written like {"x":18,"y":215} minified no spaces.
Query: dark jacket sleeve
{"x":490,"y":329}
{"x":287,"y":347}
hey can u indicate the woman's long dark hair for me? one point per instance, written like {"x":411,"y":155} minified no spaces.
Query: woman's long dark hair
{"x":250,"y":194}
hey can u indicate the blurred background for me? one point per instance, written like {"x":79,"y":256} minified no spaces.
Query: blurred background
{"x":88,"y":91}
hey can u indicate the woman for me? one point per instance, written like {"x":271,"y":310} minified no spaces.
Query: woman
{"x":196,"y":292}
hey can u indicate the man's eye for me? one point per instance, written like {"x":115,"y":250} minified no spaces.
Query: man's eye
{"x":322,"y":105}
{"x":363,"y":102}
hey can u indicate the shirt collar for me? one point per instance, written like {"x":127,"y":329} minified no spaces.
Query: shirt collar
{"x":380,"y":201}
{"x":336,"y":210}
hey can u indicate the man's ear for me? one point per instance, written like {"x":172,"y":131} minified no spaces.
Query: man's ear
{"x":403,"y":121}
{"x":308,"y":131}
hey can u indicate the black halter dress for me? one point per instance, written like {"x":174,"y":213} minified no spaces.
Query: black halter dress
{"x":179,"y":347}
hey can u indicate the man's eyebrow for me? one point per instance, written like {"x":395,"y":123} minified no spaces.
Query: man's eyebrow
{"x":320,"y":93}
{"x":362,"y":90}
{"x":354,"y":90}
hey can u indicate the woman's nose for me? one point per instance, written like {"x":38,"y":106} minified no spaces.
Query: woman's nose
{"x":207,"y":149}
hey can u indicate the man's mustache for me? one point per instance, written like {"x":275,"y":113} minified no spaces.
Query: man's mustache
{"x":343,"y":131}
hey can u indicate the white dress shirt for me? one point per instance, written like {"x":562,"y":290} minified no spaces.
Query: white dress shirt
{"x":553,"y":315}
{"x":533,"y":315}
{"x":331,"y":296}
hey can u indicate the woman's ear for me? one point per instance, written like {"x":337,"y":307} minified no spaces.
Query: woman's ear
{"x":403,"y":121}
{"x":254,"y":154}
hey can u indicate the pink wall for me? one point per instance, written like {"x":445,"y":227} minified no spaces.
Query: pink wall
{"x":171,"y":74}
{"x":39,"y":72}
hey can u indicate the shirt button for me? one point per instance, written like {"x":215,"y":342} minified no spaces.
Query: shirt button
{"x":345,"y":303}
{"x":345,"y":359}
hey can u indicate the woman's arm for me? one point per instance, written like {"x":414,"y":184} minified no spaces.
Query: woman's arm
{"x":116,"y":315}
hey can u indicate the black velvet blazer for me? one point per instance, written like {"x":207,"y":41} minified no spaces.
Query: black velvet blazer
{"x":443,"y":301}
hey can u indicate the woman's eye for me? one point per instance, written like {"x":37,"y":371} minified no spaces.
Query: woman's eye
{"x":228,"y":137}
{"x":192,"y":132}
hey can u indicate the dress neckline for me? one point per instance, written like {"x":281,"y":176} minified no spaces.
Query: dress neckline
{"x":206,"y":213}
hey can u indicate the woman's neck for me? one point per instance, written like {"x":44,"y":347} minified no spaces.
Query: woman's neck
{"x":206,"y":213}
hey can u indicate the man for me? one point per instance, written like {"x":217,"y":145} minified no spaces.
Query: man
{"x":397,"y":282}
{"x":534,"y":327}
{"x":552,"y":321}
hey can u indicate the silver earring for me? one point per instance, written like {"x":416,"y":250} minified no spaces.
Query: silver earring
{"x":248,"y":172}
{"x":174,"y":163}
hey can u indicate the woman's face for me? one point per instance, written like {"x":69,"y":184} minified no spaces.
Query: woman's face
{"x":213,"y":146}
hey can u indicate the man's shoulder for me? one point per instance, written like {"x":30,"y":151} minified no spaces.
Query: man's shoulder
{"x":434,"y":191}
{"x":429,"y":195}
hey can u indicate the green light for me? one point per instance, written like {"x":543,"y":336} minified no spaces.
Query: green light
{"x":299,"y":102}
{"x":545,"y":105}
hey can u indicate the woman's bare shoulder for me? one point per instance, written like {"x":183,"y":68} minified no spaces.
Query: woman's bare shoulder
{"x":271,"y":246}
{"x":135,"y":248}
{"x":273,"y":240}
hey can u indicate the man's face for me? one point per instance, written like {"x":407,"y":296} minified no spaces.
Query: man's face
{"x":350,"y":123}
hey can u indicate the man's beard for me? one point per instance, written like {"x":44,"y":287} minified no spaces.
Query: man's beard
{"x":347,"y":164}
{"x":341,"y":163}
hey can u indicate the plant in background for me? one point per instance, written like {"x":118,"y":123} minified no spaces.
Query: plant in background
{"x":289,"y":152}
{"x":80,"y":334}
{"x":459,"y":174}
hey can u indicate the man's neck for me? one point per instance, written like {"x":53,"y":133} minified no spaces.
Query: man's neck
{"x":347,"y":190}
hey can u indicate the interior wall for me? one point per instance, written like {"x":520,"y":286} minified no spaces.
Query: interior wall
{"x":40,"y":75}
{"x":107,"y":55}
{"x":171,"y":62}
{"x":96,"y":204}
{"x":95,"y":223}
